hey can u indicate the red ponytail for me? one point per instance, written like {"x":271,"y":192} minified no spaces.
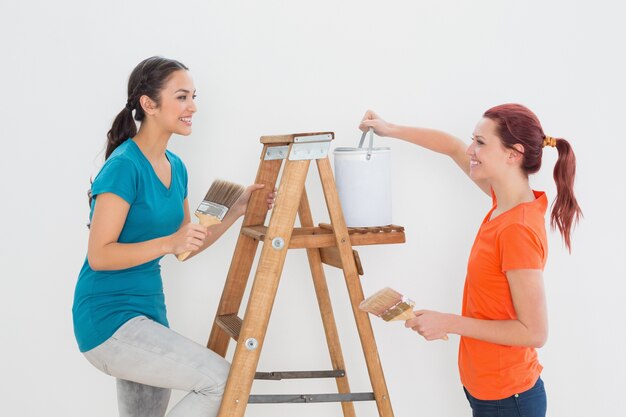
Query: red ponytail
{"x":565,"y":209}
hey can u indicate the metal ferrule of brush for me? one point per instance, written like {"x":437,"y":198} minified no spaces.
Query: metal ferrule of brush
{"x":395,"y":311}
{"x":212,"y":209}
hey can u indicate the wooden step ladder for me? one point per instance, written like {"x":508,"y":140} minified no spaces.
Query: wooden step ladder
{"x":327,"y":243}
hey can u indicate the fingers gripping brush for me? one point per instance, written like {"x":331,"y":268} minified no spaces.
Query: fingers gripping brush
{"x":218,"y":200}
{"x":389,"y":305}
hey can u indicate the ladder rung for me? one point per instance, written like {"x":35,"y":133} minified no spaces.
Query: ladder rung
{"x":330,"y":256}
{"x":322,"y":237}
{"x":310,"y":398}
{"x":230,"y":323}
{"x":255,"y":232}
{"x":277,"y":376}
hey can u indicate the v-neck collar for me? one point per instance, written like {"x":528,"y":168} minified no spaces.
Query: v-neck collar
{"x":540,"y":202}
{"x":166,"y":190}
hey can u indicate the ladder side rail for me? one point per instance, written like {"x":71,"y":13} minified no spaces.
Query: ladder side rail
{"x":263,"y":292}
{"x":355,"y":290}
{"x":245,"y":250}
{"x":326,"y":308}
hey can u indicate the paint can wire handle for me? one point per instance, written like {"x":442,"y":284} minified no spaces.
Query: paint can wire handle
{"x":371,"y":142}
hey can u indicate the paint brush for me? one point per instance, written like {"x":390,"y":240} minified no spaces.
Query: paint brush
{"x":389,"y":305}
{"x":218,"y":200}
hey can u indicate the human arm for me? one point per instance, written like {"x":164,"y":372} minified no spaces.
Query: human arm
{"x":105,"y":253}
{"x":434,"y":140}
{"x":530,"y":328}
{"x":237,"y":210}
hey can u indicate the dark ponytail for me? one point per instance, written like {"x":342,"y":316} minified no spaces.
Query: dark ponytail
{"x":517,"y":124}
{"x":565,"y":209}
{"x":147,"y":79}
{"x":124,"y":127}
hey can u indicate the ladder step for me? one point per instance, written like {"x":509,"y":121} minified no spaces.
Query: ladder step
{"x":255,"y":232}
{"x":330,"y":256}
{"x":310,"y":398}
{"x":277,"y":376}
{"x":372,"y":229}
{"x":230,"y":323}
{"x":323,"y":237}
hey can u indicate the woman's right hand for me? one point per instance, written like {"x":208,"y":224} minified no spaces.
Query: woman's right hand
{"x":189,"y":237}
{"x":371,"y":119}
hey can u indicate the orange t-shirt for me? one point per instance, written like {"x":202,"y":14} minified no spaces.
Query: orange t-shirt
{"x":516,"y":239}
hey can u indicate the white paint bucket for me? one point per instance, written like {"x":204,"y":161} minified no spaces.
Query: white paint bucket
{"x":363,"y":177}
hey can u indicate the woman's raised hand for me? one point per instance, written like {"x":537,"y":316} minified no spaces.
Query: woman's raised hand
{"x":239,"y":208}
{"x":371,"y":119}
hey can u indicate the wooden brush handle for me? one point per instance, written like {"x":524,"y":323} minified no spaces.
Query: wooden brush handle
{"x":409,"y":315}
{"x":205,"y":221}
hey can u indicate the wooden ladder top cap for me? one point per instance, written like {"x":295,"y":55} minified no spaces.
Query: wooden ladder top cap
{"x":290,"y":138}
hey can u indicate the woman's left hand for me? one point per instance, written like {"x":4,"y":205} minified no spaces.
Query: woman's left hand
{"x":432,"y":325}
{"x":242,"y":203}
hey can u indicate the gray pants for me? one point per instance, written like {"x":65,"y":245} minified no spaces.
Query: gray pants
{"x":149,"y":360}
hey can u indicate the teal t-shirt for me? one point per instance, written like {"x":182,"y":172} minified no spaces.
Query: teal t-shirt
{"x":104,"y":300}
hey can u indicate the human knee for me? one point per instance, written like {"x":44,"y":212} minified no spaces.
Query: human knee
{"x":212,"y":388}
{"x":215,"y":383}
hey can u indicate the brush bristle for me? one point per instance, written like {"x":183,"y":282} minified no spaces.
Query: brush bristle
{"x":381,"y":301}
{"x":224,"y":193}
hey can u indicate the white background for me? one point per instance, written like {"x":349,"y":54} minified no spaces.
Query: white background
{"x":271,"y":67}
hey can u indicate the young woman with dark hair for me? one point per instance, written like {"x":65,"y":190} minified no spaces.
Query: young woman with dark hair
{"x":504,"y":315}
{"x":140,"y":213}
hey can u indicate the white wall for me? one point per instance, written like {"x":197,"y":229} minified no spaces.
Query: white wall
{"x":290,"y":66}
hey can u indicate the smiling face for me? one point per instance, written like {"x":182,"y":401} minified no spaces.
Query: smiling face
{"x":176,"y":104}
{"x":489,"y":158}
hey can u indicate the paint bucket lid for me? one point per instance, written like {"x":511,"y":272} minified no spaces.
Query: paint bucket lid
{"x":360,"y":150}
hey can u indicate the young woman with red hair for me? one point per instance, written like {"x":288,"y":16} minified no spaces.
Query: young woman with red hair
{"x":504,"y":316}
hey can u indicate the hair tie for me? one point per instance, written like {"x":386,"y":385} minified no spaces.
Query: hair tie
{"x":129,"y":106}
{"x":549,"y":141}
